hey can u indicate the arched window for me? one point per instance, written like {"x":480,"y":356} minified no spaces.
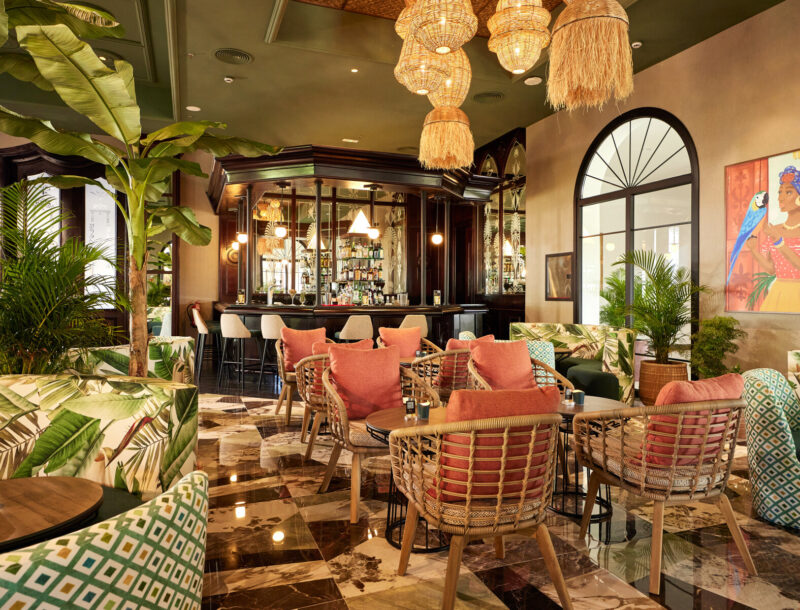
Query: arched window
{"x":637,"y":190}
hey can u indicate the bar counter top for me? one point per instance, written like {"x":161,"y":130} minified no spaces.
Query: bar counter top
{"x":334,"y":310}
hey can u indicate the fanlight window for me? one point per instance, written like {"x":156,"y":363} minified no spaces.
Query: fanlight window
{"x":489,"y":167}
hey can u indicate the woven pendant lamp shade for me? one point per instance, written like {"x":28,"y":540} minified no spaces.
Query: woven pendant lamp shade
{"x":590,"y":57}
{"x":519,"y":33}
{"x":446,"y":141}
{"x":404,"y":19}
{"x":455,"y":88}
{"x":443,"y":26}
{"x":419,"y":70}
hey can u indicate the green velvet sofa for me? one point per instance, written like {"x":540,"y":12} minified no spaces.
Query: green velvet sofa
{"x":137,"y":434}
{"x":601,"y":358}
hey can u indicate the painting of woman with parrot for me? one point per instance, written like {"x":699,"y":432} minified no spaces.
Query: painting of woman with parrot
{"x":763,"y":235}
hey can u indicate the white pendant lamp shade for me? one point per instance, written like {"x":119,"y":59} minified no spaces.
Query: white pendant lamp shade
{"x":443,"y":26}
{"x":454,"y":90}
{"x":419,"y":70}
{"x":312,"y":243}
{"x":519,"y":33}
{"x":360,"y":224}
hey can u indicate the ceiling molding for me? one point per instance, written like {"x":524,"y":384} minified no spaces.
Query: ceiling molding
{"x":171,"y":14}
{"x":275,"y":20}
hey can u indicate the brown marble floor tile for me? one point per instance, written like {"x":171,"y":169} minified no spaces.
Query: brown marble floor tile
{"x":315,"y":594}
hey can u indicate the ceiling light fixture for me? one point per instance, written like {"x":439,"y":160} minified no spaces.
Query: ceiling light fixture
{"x":637,"y":45}
{"x":241,"y":238}
{"x":373,"y":233}
{"x":418,"y":69}
{"x":532,"y":81}
{"x":360,"y":224}
{"x":193,"y":108}
{"x":354,"y":70}
{"x":454,"y":90}
{"x":437,"y":238}
{"x":519,"y":33}
{"x":443,"y":26}
{"x":281,"y":232}
{"x":350,"y":140}
{"x":228,"y":79}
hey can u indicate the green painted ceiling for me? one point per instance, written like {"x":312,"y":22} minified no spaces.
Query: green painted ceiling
{"x":300,"y":89}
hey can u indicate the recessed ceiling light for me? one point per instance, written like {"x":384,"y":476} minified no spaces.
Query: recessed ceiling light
{"x":353,"y":70}
{"x":193,"y":108}
{"x":228,"y":79}
{"x":636,"y":45}
{"x":102,"y":58}
{"x":533,"y":80}
{"x":350,"y":140}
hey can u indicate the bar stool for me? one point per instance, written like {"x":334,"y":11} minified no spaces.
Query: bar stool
{"x":356,"y":328}
{"x":200,"y":347}
{"x":271,"y":325}
{"x":418,"y":320}
{"x":233,"y":328}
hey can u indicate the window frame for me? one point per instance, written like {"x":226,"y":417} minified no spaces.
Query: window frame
{"x":629,"y":194}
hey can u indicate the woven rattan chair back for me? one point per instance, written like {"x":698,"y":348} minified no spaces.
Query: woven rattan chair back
{"x":308,"y":373}
{"x":543,"y":374}
{"x":425,"y":346}
{"x":444,"y":371}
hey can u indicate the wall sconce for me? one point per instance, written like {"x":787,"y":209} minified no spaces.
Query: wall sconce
{"x":437,"y":239}
{"x":241,"y":238}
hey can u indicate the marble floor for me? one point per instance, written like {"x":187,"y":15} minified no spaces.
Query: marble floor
{"x":273,"y":542}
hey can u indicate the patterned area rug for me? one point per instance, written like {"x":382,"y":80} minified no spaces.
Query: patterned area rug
{"x":274,"y":542}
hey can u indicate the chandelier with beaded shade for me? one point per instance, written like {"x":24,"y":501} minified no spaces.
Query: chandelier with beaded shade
{"x":419,"y":70}
{"x":443,"y":26}
{"x":519,"y":33}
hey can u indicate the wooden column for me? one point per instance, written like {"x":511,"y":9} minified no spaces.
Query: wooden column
{"x":318,"y":245}
{"x":423,"y":245}
{"x":447,"y":235}
{"x":248,"y":246}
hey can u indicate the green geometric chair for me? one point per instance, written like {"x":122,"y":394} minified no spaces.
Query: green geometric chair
{"x":772,"y":419}
{"x":466,"y":335}
{"x":149,"y":557}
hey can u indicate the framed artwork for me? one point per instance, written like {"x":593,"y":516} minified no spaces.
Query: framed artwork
{"x":762,"y":235}
{"x":558,"y":276}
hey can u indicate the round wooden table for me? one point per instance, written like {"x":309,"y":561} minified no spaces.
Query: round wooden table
{"x":39,"y":508}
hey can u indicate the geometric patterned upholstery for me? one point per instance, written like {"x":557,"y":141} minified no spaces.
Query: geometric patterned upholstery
{"x":466,"y":335}
{"x":149,"y":557}
{"x":773,"y":411}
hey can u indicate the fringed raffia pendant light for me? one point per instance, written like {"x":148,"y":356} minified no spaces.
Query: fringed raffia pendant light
{"x":403,"y":22}
{"x":519,"y":33}
{"x":590,"y":56}
{"x":419,"y":70}
{"x":455,"y":88}
{"x":443,"y":26}
{"x":446,"y":141}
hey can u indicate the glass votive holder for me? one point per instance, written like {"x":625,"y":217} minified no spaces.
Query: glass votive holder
{"x":423,"y":410}
{"x":577,"y":397}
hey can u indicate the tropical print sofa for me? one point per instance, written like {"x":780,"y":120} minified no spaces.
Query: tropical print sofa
{"x":149,"y":557}
{"x":168,"y":358}
{"x":127,"y":432}
{"x":599,"y":355}
{"x":772,"y":420}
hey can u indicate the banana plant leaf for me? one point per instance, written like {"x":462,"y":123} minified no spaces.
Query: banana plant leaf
{"x":119,"y":362}
{"x":68,"y":438}
{"x":125,"y":70}
{"x":183,"y":436}
{"x":47,"y":137}
{"x":163,"y":359}
{"x":106,"y":406}
{"x":3,"y":23}
{"x":22,"y":67}
{"x":222,"y":146}
{"x":182,"y":133}
{"x":155,"y":169}
{"x":182,"y":221}
{"x":54,"y":392}
{"x":13,"y":406}
{"x":84,"y":83}
{"x":87,"y":21}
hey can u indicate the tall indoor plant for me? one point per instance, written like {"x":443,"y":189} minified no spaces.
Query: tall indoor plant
{"x":138,"y":167}
{"x":661,"y":314}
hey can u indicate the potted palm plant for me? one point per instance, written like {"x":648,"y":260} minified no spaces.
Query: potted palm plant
{"x":661,"y":314}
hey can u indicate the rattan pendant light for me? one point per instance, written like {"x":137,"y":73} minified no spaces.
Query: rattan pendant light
{"x":454,"y":90}
{"x":443,"y":26}
{"x":446,"y":141}
{"x":403,"y":22}
{"x":419,"y":70}
{"x":519,"y":33}
{"x":590,"y":56}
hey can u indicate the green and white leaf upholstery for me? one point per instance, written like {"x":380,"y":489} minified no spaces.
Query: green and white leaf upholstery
{"x":772,"y":419}
{"x":149,"y":557}
{"x":137,"y":434}
{"x":466,"y":335}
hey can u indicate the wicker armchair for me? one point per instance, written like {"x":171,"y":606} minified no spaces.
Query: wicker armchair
{"x":425,"y":346}
{"x":685,"y":456}
{"x":289,"y":379}
{"x":353,"y":435}
{"x":452,"y":483}
{"x":544,"y":375}
{"x":444,"y":371}
{"x":308,"y":373}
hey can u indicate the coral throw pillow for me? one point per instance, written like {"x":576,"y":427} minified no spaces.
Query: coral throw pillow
{"x":488,"y":454}
{"x":323,"y":347}
{"x":504,"y":366}
{"x":407,"y":340}
{"x":367,"y":381}
{"x":453,"y":369}
{"x":688,"y":435}
{"x":298,"y":344}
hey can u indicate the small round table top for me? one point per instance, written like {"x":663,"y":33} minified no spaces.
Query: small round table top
{"x":32,"y":507}
{"x":591,"y":404}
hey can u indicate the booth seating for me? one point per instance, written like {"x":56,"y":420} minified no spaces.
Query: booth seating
{"x":150,"y":557}
{"x":601,"y":360}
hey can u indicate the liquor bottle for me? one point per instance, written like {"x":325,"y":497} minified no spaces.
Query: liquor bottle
{"x":380,"y":252}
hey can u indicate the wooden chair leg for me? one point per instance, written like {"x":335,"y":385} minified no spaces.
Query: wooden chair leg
{"x":289,"y":393}
{"x":281,"y":398}
{"x":355,"y":488}
{"x":499,"y":547}
{"x":551,"y":562}
{"x":326,"y":480}
{"x":306,"y":418}
{"x":409,"y":531}
{"x":655,"y":549}
{"x":457,"y":544}
{"x":736,"y":532}
{"x":318,"y":417}
{"x":588,"y":505}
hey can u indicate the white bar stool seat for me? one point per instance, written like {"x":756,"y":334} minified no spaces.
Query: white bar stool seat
{"x":271,"y":325}
{"x":232,"y":328}
{"x":416,"y":320}
{"x":357,"y":328}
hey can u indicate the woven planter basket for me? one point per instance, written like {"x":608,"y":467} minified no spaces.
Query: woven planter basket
{"x":654,"y":376}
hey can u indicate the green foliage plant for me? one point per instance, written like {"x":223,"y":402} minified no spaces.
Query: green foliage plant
{"x":612,"y":312}
{"x":712,"y":343}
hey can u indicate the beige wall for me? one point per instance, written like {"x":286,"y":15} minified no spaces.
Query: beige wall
{"x":738,"y":94}
{"x":199,"y":265}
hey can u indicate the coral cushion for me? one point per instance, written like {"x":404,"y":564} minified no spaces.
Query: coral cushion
{"x":366,"y":380}
{"x":323,"y":347}
{"x":407,"y":340}
{"x":687,"y":435}
{"x":298,"y":344}
{"x":487,"y":457}
{"x":504,"y":366}
{"x":453,"y":369}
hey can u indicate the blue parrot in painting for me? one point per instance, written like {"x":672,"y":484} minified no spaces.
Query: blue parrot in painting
{"x":756,"y":212}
